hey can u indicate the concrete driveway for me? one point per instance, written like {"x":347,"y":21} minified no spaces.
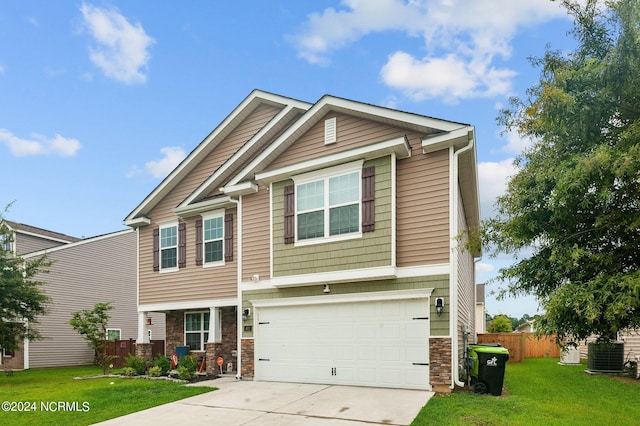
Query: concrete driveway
{"x":238,"y":402}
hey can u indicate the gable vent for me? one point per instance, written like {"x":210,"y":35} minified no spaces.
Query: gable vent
{"x":330,"y":131}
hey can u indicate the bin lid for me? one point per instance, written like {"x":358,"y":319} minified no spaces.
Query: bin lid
{"x":490,"y":349}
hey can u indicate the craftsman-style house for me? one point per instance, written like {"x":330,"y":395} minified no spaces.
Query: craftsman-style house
{"x":316,"y":243}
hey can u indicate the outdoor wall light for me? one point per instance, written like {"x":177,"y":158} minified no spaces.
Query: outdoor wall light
{"x":439,"y":305}
{"x":245,"y":314}
{"x":326,"y":288}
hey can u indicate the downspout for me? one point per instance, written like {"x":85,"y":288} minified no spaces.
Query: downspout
{"x":453,"y":316}
{"x":238,"y":203}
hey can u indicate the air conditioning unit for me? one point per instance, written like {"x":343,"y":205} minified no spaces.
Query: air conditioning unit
{"x":605,"y":357}
{"x":570,"y":355}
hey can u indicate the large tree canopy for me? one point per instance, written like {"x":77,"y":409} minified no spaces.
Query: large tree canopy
{"x":575,"y":201}
{"x":22,"y":299}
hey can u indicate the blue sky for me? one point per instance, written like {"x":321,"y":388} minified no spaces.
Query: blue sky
{"x":100,"y":100}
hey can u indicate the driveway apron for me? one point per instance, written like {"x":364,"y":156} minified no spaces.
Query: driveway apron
{"x":250,"y":403}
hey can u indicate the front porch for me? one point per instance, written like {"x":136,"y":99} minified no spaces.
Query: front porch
{"x":209,"y":333}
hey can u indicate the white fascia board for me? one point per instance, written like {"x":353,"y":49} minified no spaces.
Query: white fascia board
{"x":373,"y":296}
{"x":461,"y":135}
{"x":45,"y":237}
{"x":196,"y":304}
{"x":243,"y":188}
{"x":204,"y":206}
{"x":400,"y":146}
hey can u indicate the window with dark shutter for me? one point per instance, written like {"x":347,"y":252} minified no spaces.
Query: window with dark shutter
{"x":228,"y":237}
{"x":289,"y":214}
{"x":199,"y":242}
{"x":182,"y":245}
{"x":368,"y":199}
{"x":156,"y":249}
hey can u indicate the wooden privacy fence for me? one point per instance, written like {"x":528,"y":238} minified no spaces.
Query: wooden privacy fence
{"x":124,"y":348}
{"x":523,"y":345}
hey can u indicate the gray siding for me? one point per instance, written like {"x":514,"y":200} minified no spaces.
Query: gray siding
{"x":100,"y":269}
{"x":30,"y":243}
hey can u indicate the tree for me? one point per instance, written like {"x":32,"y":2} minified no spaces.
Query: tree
{"x":92,"y":325}
{"x":575,"y":200}
{"x":500,"y":324}
{"x":22,"y":298}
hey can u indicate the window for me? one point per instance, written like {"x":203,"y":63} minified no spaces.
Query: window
{"x":169,"y":247}
{"x":6,"y":243}
{"x":113,"y":334}
{"x":196,"y":330}
{"x":213,"y":239}
{"x":328,"y":207}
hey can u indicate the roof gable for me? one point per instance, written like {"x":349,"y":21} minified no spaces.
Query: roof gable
{"x":256,"y":98}
{"x":328,"y":104}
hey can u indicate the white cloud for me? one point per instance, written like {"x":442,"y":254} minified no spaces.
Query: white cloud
{"x":121,"y":49}
{"x":172,"y":156}
{"x":39,"y":145}
{"x":463,"y":39}
{"x":516,"y":143}
{"x":492,"y":180}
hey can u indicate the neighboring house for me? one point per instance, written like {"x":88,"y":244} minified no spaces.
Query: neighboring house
{"x":481,"y":313}
{"x":83,"y":272}
{"x":312,"y":242}
{"x":526,"y":327}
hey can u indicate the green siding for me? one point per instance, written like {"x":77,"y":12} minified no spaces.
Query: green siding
{"x":372,"y":250}
{"x":440,"y":284}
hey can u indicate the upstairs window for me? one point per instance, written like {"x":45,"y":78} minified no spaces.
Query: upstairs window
{"x":213,"y":238}
{"x":168,"y":247}
{"x":332,"y":204}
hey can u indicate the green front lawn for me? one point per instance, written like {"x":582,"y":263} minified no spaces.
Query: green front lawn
{"x":539,"y":391}
{"x":80,"y":402}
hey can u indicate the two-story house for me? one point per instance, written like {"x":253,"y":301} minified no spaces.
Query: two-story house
{"x":83,"y":272}
{"x":317,"y":243}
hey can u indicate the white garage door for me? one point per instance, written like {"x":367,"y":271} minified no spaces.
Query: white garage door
{"x":381,"y":343}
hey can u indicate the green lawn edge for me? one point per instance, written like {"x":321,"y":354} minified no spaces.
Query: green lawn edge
{"x":52,"y":396}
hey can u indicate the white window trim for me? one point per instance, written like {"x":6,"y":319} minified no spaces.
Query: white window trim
{"x":203,"y":330}
{"x":325,"y":175}
{"x":119,"y":330}
{"x":211,"y":215}
{"x":161,"y":227}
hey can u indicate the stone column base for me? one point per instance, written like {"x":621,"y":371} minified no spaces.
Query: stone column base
{"x":144,"y":351}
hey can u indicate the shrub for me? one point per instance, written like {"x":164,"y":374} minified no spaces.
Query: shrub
{"x":184,"y":373}
{"x":163,"y":362}
{"x":138,"y":364}
{"x":154,"y":371}
{"x":128,"y":371}
{"x":189,"y":362}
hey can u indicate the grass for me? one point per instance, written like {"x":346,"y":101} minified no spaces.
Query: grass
{"x":539,"y":391}
{"x":88,"y":401}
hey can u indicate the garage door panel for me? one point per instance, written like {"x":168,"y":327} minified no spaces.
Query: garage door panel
{"x":355,"y":343}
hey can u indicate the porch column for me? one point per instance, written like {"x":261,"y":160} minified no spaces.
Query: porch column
{"x":215,"y":329}
{"x":143,"y":334}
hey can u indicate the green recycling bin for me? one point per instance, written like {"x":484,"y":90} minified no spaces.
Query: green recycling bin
{"x":488,"y":368}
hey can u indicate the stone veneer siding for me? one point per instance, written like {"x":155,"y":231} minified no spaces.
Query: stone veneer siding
{"x":144,"y":351}
{"x":225,"y":349}
{"x":440,"y":364}
{"x":247,"y":359}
